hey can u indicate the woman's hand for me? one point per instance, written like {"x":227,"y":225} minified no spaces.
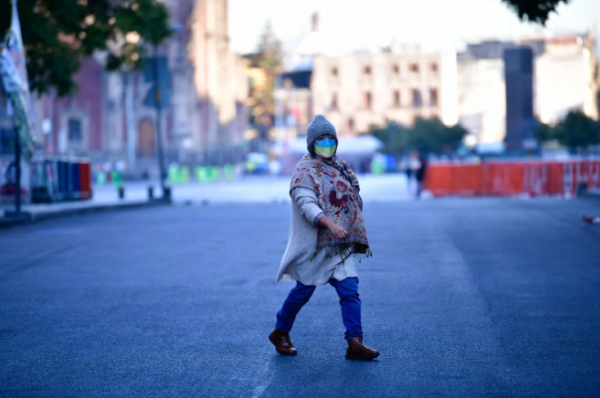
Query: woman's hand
{"x":338,"y":231}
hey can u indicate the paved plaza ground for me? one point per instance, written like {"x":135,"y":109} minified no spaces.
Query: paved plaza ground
{"x":464,"y":297}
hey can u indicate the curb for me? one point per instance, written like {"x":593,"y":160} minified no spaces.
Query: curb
{"x":28,"y":218}
{"x":590,"y":195}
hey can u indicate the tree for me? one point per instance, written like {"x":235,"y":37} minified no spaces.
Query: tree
{"x":577,"y":130}
{"x":426,"y":135}
{"x":268,"y":51}
{"x":534,"y":10}
{"x":394,"y":137}
{"x":268,"y":57}
{"x":58,"y":34}
{"x":543,"y":132}
{"x":431,"y":135}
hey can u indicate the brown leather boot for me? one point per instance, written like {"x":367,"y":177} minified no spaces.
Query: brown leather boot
{"x":282,"y":342}
{"x":357,"y":350}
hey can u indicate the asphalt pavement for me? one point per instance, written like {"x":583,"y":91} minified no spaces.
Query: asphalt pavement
{"x":463,"y":297}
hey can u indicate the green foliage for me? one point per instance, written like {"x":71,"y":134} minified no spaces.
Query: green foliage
{"x":576,"y":130}
{"x":394,"y":137}
{"x":268,"y":57}
{"x":58,"y":34}
{"x":268,"y":52}
{"x":426,"y":135}
{"x":534,"y":10}
{"x":543,"y":132}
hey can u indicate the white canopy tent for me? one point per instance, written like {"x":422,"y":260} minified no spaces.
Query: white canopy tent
{"x":359,"y":145}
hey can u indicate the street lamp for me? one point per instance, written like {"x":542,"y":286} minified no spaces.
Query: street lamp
{"x":131,"y":38}
{"x":158,"y":107}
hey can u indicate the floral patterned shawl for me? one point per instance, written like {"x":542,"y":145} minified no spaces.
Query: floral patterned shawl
{"x":337,"y":190}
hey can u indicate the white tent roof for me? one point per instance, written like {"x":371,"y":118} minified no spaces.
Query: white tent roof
{"x":359,"y":145}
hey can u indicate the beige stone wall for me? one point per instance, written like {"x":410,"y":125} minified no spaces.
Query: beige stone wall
{"x":218,"y":76}
{"x":207,"y":87}
{"x":564,"y":80}
{"x":372,"y":88}
{"x":482,"y":98}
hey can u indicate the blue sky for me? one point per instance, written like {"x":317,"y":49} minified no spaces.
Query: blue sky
{"x":353,"y":24}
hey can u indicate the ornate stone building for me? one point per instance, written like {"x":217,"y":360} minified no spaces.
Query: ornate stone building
{"x":109,"y":119}
{"x":399,"y":84}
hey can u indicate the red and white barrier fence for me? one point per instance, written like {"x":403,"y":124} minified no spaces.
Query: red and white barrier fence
{"x":508,"y":178}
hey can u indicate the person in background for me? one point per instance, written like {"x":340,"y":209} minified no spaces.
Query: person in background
{"x":412,"y":165}
{"x":591,"y":219}
{"x":420,"y":174}
{"x":327,"y":238}
{"x":405,"y":166}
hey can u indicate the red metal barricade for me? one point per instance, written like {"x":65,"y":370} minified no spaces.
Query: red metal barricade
{"x":509,"y":178}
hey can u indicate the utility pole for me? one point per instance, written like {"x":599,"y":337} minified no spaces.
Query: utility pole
{"x":17,"y":173}
{"x":129,"y":117}
{"x":158,"y":106}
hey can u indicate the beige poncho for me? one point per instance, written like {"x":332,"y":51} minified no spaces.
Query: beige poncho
{"x":296,"y":263}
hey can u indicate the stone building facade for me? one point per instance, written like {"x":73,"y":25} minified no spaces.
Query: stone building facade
{"x":109,"y":119}
{"x":565,"y":78}
{"x":398,"y":84}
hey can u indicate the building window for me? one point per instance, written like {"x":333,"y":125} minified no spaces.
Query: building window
{"x":396,"y":99}
{"x":334,"y":71}
{"x":145,"y":143}
{"x":414,"y":68}
{"x":396,"y":69}
{"x":433,"y":97}
{"x":334,"y":102}
{"x":74,"y":130}
{"x":367,"y":100}
{"x":434,"y":67}
{"x":417,"y":101}
{"x":367,"y":70}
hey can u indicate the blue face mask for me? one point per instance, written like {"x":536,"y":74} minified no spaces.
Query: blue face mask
{"x":325,"y":148}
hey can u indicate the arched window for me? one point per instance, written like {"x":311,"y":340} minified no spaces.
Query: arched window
{"x":146,"y":139}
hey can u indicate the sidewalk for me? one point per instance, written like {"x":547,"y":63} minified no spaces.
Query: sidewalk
{"x":106,"y":202}
{"x":250,"y":189}
{"x":260,"y":189}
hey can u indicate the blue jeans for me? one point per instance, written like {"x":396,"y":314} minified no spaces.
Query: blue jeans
{"x":346,"y":289}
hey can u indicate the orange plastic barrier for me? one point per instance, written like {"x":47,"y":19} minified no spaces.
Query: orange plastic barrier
{"x":513,"y":178}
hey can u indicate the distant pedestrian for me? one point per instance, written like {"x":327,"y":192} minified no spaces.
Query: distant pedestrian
{"x":327,"y":238}
{"x":591,"y":219}
{"x":408,"y":171}
{"x":420,"y":174}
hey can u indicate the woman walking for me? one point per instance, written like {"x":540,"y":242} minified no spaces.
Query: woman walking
{"x":327,"y":238}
